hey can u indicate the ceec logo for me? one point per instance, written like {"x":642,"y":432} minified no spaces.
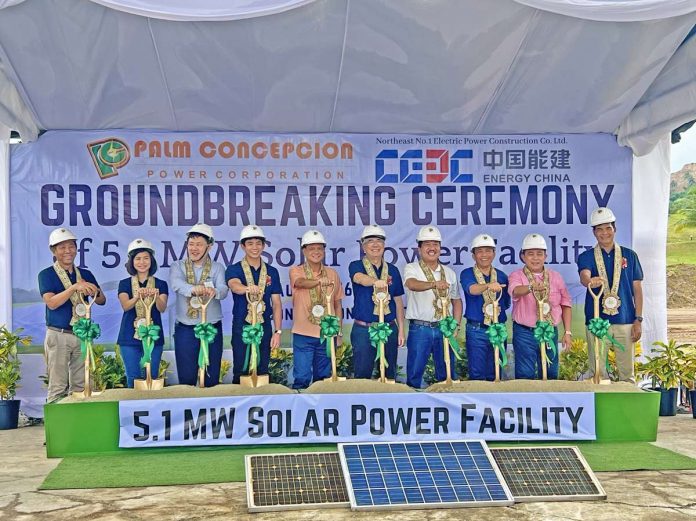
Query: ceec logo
{"x":108,"y":155}
{"x":410,"y":167}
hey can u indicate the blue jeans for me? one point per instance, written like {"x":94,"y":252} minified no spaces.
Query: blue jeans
{"x":422,"y":342}
{"x":309,"y":359}
{"x":364,"y":353}
{"x":239,"y":350}
{"x":479,"y":353}
{"x":528,"y":354}
{"x":131,"y":355}
{"x":186,"y":349}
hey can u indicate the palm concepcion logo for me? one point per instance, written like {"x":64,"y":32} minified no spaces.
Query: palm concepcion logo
{"x":108,"y":155}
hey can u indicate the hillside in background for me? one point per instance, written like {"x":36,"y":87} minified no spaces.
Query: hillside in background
{"x":682,"y":180}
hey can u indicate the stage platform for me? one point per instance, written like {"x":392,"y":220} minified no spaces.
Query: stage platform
{"x":80,"y":426}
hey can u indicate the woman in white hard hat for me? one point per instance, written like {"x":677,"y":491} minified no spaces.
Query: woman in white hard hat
{"x":618,"y":269}
{"x":60,"y":286}
{"x":253,"y":276}
{"x":481,"y":283}
{"x":370,"y":273}
{"x":141,"y":266}
{"x":423,"y":280}
{"x":310,"y":282}
{"x":196,"y":276}
{"x":536,"y":277}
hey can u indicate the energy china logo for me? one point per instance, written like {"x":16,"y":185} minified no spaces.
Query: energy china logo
{"x":417,"y":166}
{"x":108,"y":155}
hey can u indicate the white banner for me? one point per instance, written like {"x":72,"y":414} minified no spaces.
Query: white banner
{"x":110,"y":187}
{"x":332,"y":418}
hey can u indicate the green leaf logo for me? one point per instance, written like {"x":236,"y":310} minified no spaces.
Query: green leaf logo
{"x":108,"y":155}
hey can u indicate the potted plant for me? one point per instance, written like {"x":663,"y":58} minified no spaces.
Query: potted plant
{"x":10,"y":376}
{"x":689,"y":375}
{"x":666,"y":368}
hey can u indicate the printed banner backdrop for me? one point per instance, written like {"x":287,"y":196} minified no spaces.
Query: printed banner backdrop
{"x":111,"y":187}
{"x":306,"y":418}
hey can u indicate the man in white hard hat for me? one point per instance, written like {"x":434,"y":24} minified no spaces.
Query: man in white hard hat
{"x":60,"y":286}
{"x":424,"y":279}
{"x":537,"y":279}
{"x":192,"y":278}
{"x":481,"y":284}
{"x":369,"y":274}
{"x":310,"y":283}
{"x":619,"y":270}
{"x":252,"y":276}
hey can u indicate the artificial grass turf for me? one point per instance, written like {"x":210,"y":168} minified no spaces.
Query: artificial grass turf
{"x":152,"y":467}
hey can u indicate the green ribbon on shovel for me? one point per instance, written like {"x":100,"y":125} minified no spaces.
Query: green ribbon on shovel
{"x":251,"y":336}
{"x":86,"y":331}
{"x":149,"y":335}
{"x":599,"y":327}
{"x":497,"y":336}
{"x":328,"y":328}
{"x":544,"y":333}
{"x":447,"y":327}
{"x":379,"y":334}
{"x":205,"y":332}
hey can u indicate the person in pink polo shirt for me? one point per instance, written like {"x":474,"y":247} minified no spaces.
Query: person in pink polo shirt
{"x":535,"y":277}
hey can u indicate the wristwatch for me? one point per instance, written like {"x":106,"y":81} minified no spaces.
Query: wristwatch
{"x":278,"y":332}
{"x":639,"y":318}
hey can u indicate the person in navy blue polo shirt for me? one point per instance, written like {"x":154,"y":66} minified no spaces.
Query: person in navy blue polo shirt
{"x":618,"y":268}
{"x":253,"y":276}
{"x":60,"y":286}
{"x":481,"y":283}
{"x":141,"y":266}
{"x":370,"y":273}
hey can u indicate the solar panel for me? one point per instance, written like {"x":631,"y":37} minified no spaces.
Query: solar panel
{"x":442,"y":474}
{"x":547,"y":474}
{"x":295,"y":481}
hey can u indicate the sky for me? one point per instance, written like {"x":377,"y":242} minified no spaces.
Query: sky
{"x":685,"y":151}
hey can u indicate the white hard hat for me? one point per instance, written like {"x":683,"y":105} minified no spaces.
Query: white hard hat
{"x":481,"y":241}
{"x":59,"y":235}
{"x":429,"y":233}
{"x":312,"y":237}
{"x":602,"y":216}
{"x":252,"y":232}
{"x":202,"y":229}
{"x":140,"y":244}
{"x":372,"y":230}
{"x":534,"y":241}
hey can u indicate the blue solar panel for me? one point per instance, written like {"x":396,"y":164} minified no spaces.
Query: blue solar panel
{"x":422,"y":475}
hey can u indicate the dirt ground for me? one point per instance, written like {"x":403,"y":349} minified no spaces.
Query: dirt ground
{"x":681,"y":302}
{"x":681,"y":325}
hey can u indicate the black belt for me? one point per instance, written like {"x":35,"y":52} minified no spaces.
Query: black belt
{"x":194,"y":325}
{"x":529,"y":328}
{"x":69,"y":331}
{"x":368,"y":324}
{"x":424,"y":323}
{"x":476,"y":323}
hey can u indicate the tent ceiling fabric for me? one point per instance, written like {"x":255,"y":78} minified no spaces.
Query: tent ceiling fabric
{"x":388,"y":66}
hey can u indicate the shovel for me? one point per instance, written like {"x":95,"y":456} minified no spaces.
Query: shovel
{"x":149,"y":384}
{"x":253,"y":379}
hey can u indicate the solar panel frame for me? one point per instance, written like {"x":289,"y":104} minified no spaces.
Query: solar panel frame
{"x":256,"y":506}
{"x":580,"y":459}
{"x":453,"y":470}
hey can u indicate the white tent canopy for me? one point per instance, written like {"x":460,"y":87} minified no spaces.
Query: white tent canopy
{"x":384,"y":66}
{"x":442,"y":66}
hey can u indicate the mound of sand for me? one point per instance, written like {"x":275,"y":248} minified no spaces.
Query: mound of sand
{"x":356,"y":386}
{"x":181,"y":391}
{"x":532,"y":386}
